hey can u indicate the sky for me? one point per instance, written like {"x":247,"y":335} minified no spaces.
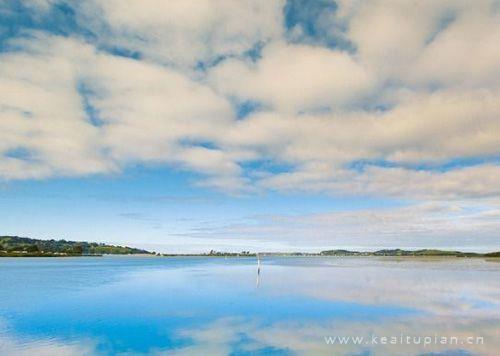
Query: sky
{"x":261,"y":125}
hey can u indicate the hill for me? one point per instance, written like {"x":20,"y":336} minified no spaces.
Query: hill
{"x":23,"y":246}
{"x":399,"y":252}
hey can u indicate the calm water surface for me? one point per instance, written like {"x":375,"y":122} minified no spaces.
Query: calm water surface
{"x":217,"y":306}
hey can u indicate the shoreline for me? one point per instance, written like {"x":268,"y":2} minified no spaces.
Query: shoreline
{"x":397,"y":257}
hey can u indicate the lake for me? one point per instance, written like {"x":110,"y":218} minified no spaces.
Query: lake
{"x":216,"y":306}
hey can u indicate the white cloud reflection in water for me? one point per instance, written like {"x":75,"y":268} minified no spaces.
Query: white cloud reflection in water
{"x":459,"y":299}
{"x":212,"y":306}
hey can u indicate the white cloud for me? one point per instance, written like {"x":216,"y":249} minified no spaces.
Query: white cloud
{"x":42,"y":113}
{"x":465,"y":53}
{"x":295,"y":77}
{"x":473,"y":182}
{"x":184,"y":32}
{"x":462,"y":225}
{"x":429,"y":42}
{"x":144,"y":111}
{"x":404,"y":97}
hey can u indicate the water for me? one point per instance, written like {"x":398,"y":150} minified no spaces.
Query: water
{"x":216,"y":306}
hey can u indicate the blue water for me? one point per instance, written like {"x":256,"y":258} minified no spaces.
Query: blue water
{"x":148,"y":305}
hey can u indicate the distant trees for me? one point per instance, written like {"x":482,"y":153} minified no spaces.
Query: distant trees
{"x":229,"y":254}
{"x":78,"y":250}
{"x":15,"y":245}
{"x":32,"y":248}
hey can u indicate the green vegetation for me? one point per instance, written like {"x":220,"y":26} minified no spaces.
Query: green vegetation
{"x":212,"y":253}
{"x":230,"y":254}
{"x":492,"y":254}
{"x":343,"y":253}
{"x":416,"y":253}
{"x":14,"y":246}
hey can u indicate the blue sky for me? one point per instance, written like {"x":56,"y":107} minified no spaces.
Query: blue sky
{"x":146,"y":206}
{"x":260,"y":125}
